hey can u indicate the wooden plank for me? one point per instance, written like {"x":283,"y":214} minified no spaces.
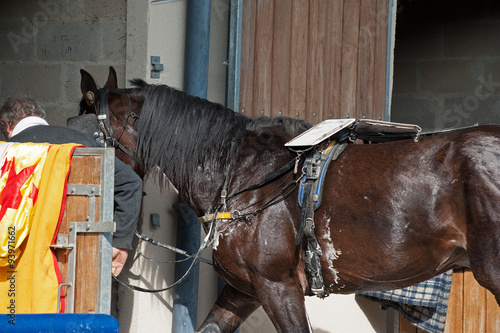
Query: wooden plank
{"x":262,"y":85}
{"x":455,"y":312}
{"x":492,"y":314}
{"x":474,"y":305}
{"x":366,"y":59}
{"x":380,"y":71}
{"x":316,"y":61}
{"x":87,"y":263}
{"x":247,"y":56}
{"x":333,"y":63}
{"x":350,"y":38}
{"x":281,"y":58}
{"x":298,"y":62}
{"x":86,"y":274}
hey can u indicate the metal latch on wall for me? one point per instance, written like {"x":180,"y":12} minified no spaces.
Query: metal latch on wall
{"x":157,"y":67}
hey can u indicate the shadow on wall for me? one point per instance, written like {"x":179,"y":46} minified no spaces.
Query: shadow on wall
{"x":373,"y":313}
{"x":149,"y":266}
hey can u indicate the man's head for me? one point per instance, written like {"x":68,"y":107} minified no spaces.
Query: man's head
{"x":15,"y":109}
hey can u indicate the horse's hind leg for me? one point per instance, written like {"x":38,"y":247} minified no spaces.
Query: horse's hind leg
{"x":230,"y":310}
{"x":284,"y":304}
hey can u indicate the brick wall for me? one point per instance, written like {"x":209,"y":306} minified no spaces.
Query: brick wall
{"x":447,"y":63}
{"x":45,"y":43}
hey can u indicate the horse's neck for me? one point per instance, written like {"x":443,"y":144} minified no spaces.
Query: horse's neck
{"x":258,"y":157}
{"x":204,"y":194}
{"x":250,"y":162}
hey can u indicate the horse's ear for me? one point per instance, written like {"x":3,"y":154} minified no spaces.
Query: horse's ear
{"x":112,"y":82}
{"x":88,"y":85}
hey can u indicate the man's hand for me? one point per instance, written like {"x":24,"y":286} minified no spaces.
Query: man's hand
{"x":119,"y":259}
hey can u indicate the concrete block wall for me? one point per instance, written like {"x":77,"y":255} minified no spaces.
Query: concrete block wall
{"x":45,"y":43}
{"x":447,"y":63}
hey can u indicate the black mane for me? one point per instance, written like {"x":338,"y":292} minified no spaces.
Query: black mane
{"x":194,"y":132}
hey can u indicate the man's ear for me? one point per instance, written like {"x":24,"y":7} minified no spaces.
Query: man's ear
{"x":5,"y":128}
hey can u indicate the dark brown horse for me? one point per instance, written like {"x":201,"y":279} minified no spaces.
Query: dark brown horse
{"x":393,"y":214}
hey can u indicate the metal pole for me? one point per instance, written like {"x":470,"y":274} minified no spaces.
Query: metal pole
{"x":234,"y":55}
{"x":189,"y":232}
{"x":389,"y":58}
{"x":233,"y":72}
{"x":197,"y":47}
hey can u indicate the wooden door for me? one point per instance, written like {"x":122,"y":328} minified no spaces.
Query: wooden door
{"x":314,"y":59}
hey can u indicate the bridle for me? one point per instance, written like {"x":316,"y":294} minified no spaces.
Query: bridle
{"x":103,"y":114}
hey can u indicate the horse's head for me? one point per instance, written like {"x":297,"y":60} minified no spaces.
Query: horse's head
{"x":118,"y":113}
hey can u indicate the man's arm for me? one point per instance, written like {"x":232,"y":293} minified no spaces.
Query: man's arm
{"x":128,"y":199}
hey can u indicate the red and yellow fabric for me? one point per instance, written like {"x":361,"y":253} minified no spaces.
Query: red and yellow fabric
{"x":32,"y":197}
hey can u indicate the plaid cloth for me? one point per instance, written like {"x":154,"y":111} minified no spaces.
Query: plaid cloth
{"x":424,"y":304}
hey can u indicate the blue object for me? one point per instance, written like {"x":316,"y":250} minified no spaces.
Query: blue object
{"x":188,"y":236}
{"x":58,"y":323}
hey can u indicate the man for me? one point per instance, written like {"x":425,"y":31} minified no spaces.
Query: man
{"x":22,"y":120}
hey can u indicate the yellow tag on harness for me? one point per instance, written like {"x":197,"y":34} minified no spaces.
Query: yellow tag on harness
{"x":218,"y":216}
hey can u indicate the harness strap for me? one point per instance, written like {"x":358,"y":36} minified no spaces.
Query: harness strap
{"x":312,"y":183}
{"x":313,"y":250}
{"x":287,"y":167}
{"x":315,"y":168}
{"x":218,"y":216}
{"x":303,"y":212}
{"x":237,"y":215}
{"x":317,"y":165}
